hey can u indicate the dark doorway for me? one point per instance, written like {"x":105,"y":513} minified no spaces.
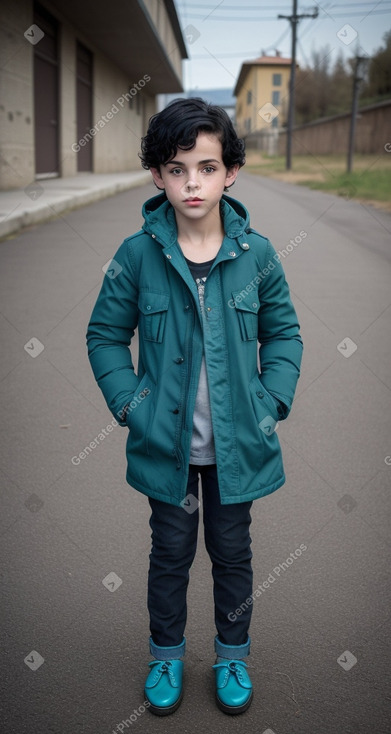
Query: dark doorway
{"x":46,"y":94}
{"x":84,"y":106}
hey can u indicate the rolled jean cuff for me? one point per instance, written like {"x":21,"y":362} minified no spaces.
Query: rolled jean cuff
{"x":232,"y":652}
{"x":167,"y":653}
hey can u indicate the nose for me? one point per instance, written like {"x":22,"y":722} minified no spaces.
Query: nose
{"x":192,"y":182}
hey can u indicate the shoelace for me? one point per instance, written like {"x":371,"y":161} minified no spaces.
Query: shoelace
{"x":165,"y":666}
{"x":234,"y":666}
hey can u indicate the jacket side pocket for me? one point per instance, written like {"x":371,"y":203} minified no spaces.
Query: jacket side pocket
{"x":264,"y":404}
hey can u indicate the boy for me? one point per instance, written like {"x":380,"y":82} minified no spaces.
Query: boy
{"x":203,"y":288}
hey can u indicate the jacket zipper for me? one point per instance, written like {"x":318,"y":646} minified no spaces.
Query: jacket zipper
{"x":188,"y":362}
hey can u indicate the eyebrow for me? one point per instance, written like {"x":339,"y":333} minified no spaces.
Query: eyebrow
{"x":179,"y":163}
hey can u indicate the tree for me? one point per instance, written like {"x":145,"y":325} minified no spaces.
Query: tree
{"x":340,"y":87}
{"x":322,"y":90}
{"x":378,"y":82}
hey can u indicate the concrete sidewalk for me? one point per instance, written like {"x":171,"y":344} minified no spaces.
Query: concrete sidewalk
{"x":45,"y":199}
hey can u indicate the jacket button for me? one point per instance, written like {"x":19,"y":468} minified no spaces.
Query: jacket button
{"x":149,"y":308}
{"x":176,"y":411}
{"x":232,"y":253}
{"x":179,"y":360}
{"x":186,"y":308}
{"x":245,"y":246}
{"x":260,"y":394}
{"x":255,"y":305}
{"x":153,"y":236}
{"x":168,"y":257}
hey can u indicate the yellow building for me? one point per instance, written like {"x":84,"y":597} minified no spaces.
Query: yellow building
{"x":262,"y":92}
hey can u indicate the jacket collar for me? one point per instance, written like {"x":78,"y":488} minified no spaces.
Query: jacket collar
{"x":159,"y":219}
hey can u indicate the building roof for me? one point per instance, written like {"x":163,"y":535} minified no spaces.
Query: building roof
{"x":126,"y":34}
{"x":273,"y":60}
{"x":260,"y":61}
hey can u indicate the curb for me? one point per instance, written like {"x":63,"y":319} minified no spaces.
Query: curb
{"x":45,"y":211}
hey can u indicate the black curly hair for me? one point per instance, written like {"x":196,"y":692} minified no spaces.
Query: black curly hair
{"x":178,"y":125}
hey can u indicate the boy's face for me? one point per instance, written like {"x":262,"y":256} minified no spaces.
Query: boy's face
{"x":194,"y":180}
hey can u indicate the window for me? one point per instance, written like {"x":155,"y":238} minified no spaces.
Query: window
{"x":249,"y":97}
{"x":275,"y":121}
{"x":276,"y":80}
{"x":276,"y":98}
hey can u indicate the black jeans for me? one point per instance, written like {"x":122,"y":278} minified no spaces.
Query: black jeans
{"x":174,"y":542}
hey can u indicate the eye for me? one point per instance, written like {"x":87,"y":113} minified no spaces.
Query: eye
{"x":176,"y":171}
{"x":209,"y":169}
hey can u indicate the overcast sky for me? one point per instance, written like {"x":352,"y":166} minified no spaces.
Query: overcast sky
{"x":220,"y":35}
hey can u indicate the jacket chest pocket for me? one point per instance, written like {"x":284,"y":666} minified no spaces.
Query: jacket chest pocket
{"x":153,"y":309}
{"x":247,"y":307}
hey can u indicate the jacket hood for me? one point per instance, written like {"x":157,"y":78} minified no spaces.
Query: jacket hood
{"x":159,"y":218}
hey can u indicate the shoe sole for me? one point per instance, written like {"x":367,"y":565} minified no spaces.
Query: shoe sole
{"x":234,"y":710}
{"x":164,"y":710}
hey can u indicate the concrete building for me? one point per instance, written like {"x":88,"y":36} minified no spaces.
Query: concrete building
{"x":79,"y":81}
{"x":262,"y":92}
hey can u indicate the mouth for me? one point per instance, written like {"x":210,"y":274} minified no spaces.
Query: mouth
{"x":193,"y":200}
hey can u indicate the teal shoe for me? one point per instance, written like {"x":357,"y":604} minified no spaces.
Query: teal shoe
{"x":163,"y":687}
{"x":234,"y":691}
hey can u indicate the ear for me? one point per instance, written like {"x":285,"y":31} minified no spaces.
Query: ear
{"x":157,"y":179}
{"x":231,"y":174}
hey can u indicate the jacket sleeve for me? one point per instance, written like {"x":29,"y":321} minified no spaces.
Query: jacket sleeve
{"x":110,"y":330}
{"x":281,"y":345}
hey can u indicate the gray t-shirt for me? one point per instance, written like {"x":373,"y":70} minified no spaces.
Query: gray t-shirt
{"x":202,"y":449}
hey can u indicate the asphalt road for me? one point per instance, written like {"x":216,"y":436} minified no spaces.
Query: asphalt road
{"x":320,"y":628}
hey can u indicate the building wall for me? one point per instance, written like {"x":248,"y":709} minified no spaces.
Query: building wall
{"x":264,"y":93}
{"x":115,"y":143}
{"x":161,"y":20}
{"x":331,"y":136}
{"x":244,"y":109}
{"x":259,"y":82}
{"x":17,"y":165}
{"x":68,"y":159}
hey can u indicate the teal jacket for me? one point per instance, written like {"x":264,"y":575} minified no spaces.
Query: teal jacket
{"x":148,"y":285}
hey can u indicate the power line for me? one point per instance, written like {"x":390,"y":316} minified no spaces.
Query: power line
{"x":240,"y":54}
{"x":240,"y":8}
{"x":348,"y":14}
{"x":245,"y":54}
{"x":236,"y":19}
{"x":279,"y":40}
{"x":355,"y":5}
{"x":303,"y":52}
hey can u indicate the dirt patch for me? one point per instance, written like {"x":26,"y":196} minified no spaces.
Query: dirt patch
{"x":384,"y":206}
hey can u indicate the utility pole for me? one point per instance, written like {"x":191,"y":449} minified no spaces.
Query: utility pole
{"x":294,"y":20}
{"x":357,"y":79}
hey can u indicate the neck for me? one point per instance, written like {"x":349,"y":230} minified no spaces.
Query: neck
{"x":200,"y":232}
